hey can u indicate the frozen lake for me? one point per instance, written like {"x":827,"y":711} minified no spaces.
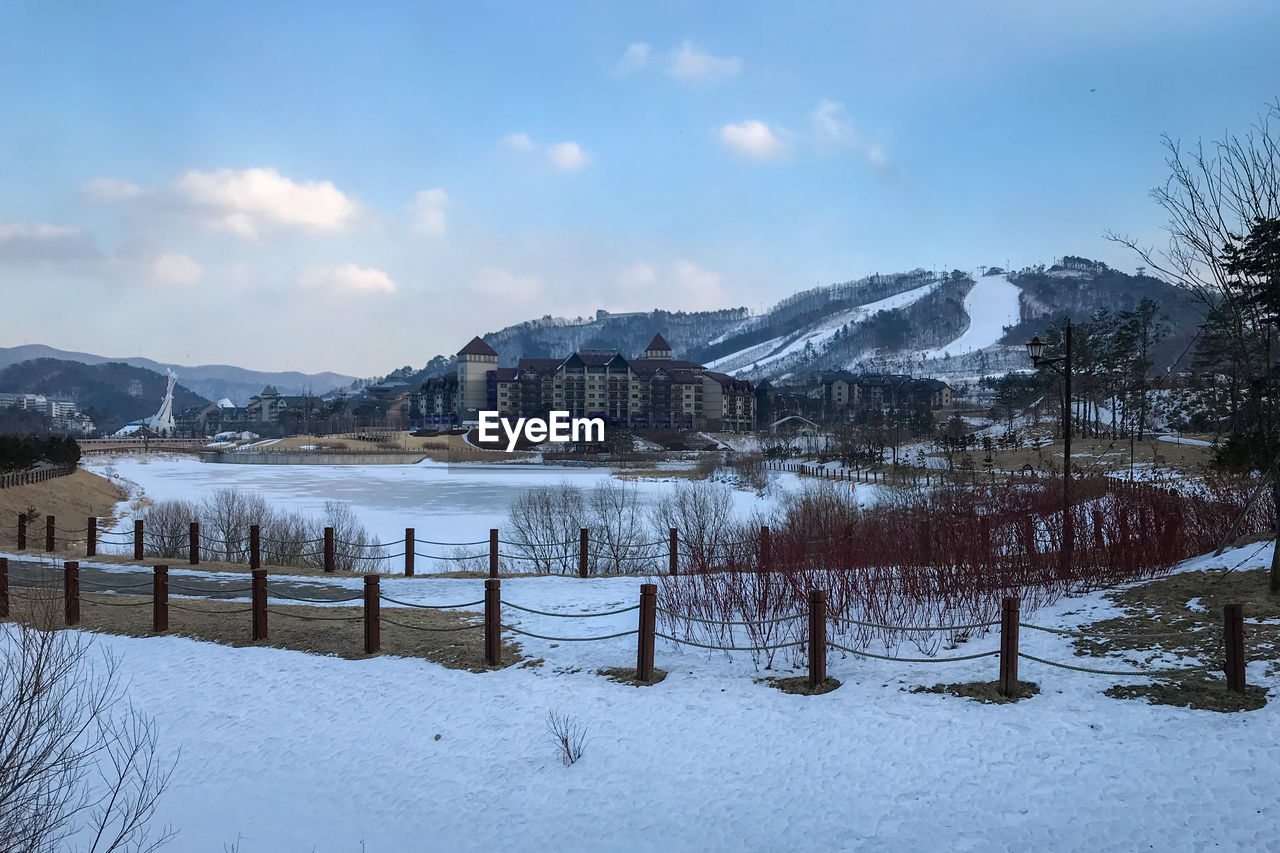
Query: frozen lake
{"x":454,"y":503}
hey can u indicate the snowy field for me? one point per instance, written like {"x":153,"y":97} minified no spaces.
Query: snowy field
{"x":992,"y":304}
{"x":288,"y":751}
{"x":454,"y":503}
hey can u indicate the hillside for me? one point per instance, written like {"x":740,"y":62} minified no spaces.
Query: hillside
{"x":213,"y":381}
{"x":113,"y":394}
{"x":953,"y":325}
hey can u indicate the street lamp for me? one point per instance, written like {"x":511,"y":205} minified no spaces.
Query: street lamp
{"x":1062,"y":366}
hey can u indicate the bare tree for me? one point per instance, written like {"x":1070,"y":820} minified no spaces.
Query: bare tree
{"x":1215,"y":197}
{"x":79,"y":765}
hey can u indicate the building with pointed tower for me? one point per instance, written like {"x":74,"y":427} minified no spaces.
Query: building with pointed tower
{"x":475,"y":361}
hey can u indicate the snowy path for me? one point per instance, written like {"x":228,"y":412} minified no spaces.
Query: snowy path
{"x":291,"y":751}
{"x":992,"y":304}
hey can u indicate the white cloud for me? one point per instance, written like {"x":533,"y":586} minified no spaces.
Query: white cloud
{"x":698,"y":288}
{"x":638,"y":276}
{"x":755,"y":139}
{"x":567,"y":156}
{"x":877,"y":157}
{"x":500,"y":283}
{"x":175,"y":268}
{"x":48,"y":243}
{"x":689,"y":62}
{"x":250,"y":201}
{"x":518,"y":142}
{"x":831,"y":125}
{"x":109,"y":190}
{"x":427,"y":209}
{"x":347,"y":278}
{"x":635,"y":58}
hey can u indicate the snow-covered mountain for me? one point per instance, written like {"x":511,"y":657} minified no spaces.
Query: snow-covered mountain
{"x":951,"y":325}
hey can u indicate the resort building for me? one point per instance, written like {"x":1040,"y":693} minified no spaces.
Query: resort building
{"x":656,"y":391}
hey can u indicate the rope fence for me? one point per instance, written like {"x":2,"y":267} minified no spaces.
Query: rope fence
{"x":814,"y":640}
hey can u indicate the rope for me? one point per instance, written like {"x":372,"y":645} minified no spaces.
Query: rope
{"x":675,"y":615}
{"x":117,"y":603}
{"x":912,"y":660}
{"x":921,"y":629}
{"x":458,"y":557}
{"x":314,"y":618}
{"x":430,"y":606}
{"x":423,"y":628}
{"x":209,"y":612}
{"x":569,"y":639}
{"x":93,"y":585}
{"x":1160,"y":673}
{"x":181,"y":588}
{"x":418,"y":540}
{"x":278,"y":594}
{"x":1080,"y":635}
{"x":729,"y":648}
{"x":572,"y":615}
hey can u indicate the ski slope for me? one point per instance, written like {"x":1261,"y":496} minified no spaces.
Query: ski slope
{"x":819,"y":336}
{"x":992,"y":304}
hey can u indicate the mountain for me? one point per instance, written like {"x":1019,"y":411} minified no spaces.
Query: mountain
{"x":954,"y":326}
{"x":112,"y":393}
{"x":213,"y":381}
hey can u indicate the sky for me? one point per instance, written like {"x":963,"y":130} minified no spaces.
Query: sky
{"x":356,"y":187}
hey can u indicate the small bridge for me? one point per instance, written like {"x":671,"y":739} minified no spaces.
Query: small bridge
{"x":142,"y":445}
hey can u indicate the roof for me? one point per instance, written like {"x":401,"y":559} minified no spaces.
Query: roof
{"x":658,"y":343}
{"x":269,"y":391}
{"x":478,"y":347}
{"x":505,"y":374}
{"x":541,"y":365}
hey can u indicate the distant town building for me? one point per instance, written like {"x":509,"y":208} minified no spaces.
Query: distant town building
{"x":657,"y":391}
{"x":843,"y":391}
{"x":63,"y":413}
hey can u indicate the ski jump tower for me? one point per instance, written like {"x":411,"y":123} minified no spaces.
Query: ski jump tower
{"x":162,"y":421}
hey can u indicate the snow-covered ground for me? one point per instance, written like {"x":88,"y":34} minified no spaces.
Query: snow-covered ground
{"x":992,"y":304}
{"x":288,"y":751}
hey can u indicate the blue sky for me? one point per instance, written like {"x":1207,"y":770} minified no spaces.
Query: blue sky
{"x":326,"y":186}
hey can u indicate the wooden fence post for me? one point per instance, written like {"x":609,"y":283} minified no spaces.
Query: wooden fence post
{"x":4,"y":587}
{"x":648,"y":627}
{"x":817,"y":637}
{"x":22,"y":531}
{"x":672,"y":555}
{"x":255,"y":546}
{"x":329,"y":556}
{"x":1010,"y":615}
{"x":91,"y":536}
{"x":193,"y":543}
{"x":493,"y":552}
{"x":160,"y":600}
{"x":259,"y":604}
{"x":71,"y":591}
{"x":493,"y":622}
{"x":410,"y":545}
{"x":582,"y":552}
{"x":1233,"y":639}
{"x":372,"y":615}
{"x":49,"y":544}
{"x":138,"y":535}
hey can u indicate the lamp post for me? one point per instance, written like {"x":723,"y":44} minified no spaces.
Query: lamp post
{"x":1062,"y":366}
